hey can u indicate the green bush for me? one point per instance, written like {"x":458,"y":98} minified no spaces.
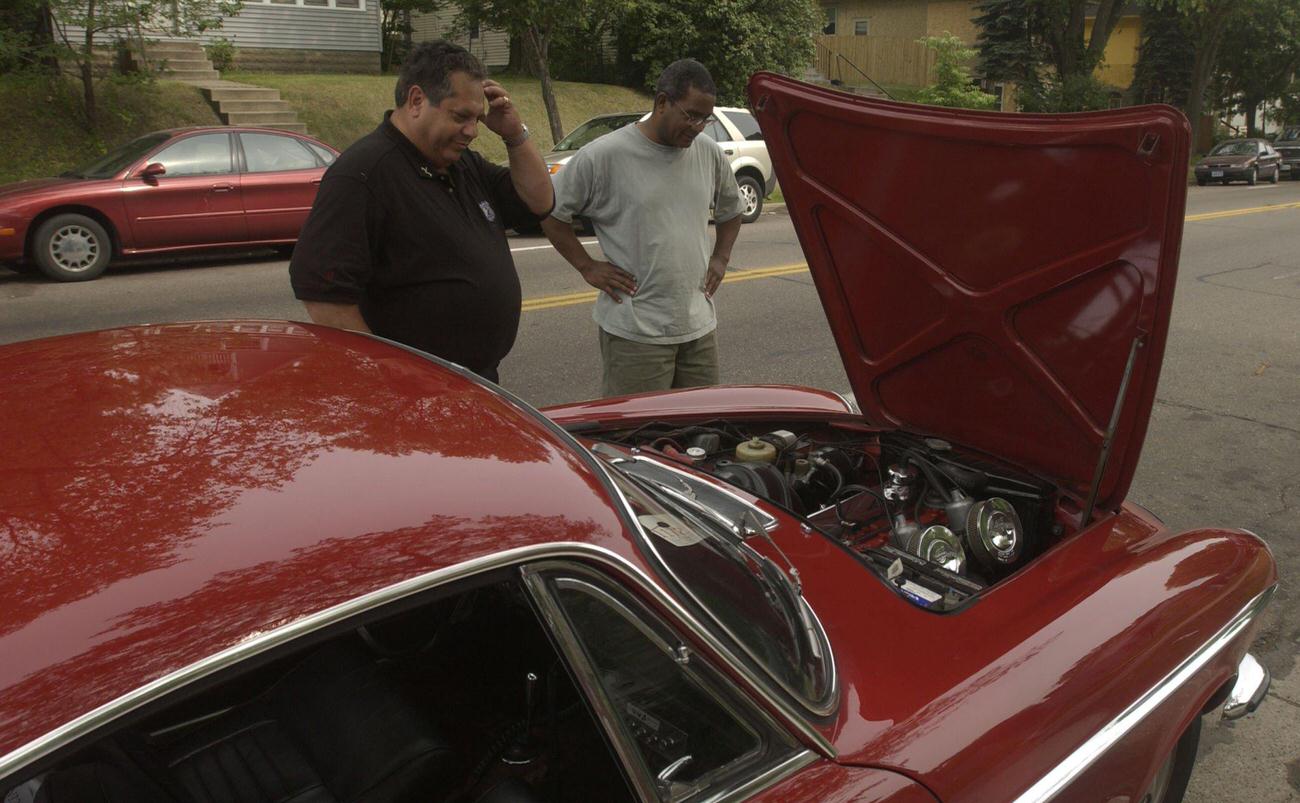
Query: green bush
{"x":952,"y":86}
{"x":1078,"y":93}
{"x":221,"y":52}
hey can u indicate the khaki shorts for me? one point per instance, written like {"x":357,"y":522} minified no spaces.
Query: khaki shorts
{"x":632,"y":367}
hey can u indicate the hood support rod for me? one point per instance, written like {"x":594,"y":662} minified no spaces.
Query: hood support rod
{"x":1109,"y":439}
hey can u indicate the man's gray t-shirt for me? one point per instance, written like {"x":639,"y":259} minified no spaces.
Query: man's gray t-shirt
{"x":649,"y":204}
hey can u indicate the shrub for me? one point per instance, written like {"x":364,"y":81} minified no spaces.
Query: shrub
{"x":221,"y":52}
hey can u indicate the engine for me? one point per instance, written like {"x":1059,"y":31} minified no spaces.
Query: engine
{"x":938,"y":523}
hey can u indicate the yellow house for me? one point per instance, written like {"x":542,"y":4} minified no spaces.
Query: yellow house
{"x":908,"y":20}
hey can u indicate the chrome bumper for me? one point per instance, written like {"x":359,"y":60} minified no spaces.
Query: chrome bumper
{"x":1249,"y":689}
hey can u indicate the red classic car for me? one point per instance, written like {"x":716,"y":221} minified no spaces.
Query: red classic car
{"x":260,"y":561}
{"x":166,"y":192}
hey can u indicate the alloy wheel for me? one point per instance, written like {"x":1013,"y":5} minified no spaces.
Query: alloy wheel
{"x":750,"y":196}
{"x":74,"y":248}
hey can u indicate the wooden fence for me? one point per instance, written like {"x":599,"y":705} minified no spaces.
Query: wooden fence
{"x":888,"y":60}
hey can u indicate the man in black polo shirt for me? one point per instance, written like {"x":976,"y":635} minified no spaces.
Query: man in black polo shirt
{"x":406,"y":238}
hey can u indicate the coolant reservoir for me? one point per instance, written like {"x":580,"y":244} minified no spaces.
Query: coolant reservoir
{"x":756,"y":451}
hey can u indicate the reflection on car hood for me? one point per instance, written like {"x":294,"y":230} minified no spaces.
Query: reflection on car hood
{"x":987,"y":275}
{"x":558,"y":157}
{"x":35,"y":186}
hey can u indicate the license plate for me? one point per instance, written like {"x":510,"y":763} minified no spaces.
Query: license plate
{"x":1216,"y":174}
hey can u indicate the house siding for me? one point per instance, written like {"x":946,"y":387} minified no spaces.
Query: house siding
{"x":351,"y":34}
{"x":893,"y":18}
{"x":1120,"y":62}
{"x":955,"y":17}
{"x":491,"y":46}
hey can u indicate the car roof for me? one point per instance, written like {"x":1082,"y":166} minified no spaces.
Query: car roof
{"x":171,"y":491}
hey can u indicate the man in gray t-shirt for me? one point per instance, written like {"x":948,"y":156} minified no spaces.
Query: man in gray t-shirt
{"x":647,"y":189}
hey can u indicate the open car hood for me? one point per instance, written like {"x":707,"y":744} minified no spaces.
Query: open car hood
{"x":987,"y":275}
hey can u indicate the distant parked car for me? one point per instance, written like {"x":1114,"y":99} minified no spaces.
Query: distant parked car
{"x":1287,"y":145}
{"x":166,"y":192}
{"x":1240,"y":160}
{"x":734,"y":129}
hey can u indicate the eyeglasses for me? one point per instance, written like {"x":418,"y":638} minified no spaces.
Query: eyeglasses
{"x":695,"y":120}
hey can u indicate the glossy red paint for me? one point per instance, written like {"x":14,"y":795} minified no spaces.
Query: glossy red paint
{"x":1044,"y":659}
{"x":170,"y":491}
{"x":149,"y":215}
{"x":986,"y":275}
{"x":828,"y":782}
{"x":743,"y":401}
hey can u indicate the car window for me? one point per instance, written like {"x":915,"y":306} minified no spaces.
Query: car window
{"x":1234,"y":149}
{"x":268,"y":153}
{"x":118,"y":160}
{"x":716,"y":131}
{"x":326,"y":155}
{"x":592,"y":130}
{"x":747,"y":124}
{"x":202,"y":155}
{"x":689,"y":729}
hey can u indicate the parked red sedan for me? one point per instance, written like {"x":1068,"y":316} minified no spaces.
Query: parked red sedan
{"x":256,"y":561}
{"x":166,"y":192}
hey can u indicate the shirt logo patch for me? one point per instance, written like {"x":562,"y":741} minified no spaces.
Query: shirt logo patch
{"x":488,"y":211}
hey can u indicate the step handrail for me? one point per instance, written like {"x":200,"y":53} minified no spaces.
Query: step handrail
{"x":847,"y":60}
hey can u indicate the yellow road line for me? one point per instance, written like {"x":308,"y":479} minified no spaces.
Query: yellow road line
{"x":569,"y":299}
{"x":587,"y":296}
{"x":1234,"y":212}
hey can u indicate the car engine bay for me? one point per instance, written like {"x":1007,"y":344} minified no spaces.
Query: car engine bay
{"x":939,"y":524}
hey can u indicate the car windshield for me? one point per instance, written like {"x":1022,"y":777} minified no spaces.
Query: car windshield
{"x":1235,"y":149}
{"x":1289,"y":135}
{"x":746,"y":593}
{"x":594,"y":129}
{"x":116,"y":161}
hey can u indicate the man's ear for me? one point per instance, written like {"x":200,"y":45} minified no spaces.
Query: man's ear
{"x":661,"y":103}
{"x":415,"y":100}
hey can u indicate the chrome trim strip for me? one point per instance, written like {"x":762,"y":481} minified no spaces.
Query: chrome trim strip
{"x":1249,"y":689}
{"x":770,"y":778}
{"x":833,"y":687}
{"x":849,"y":403}
{"x":769,"y":521}
{"x":1054,"y":782}
{"x":106,"y":713}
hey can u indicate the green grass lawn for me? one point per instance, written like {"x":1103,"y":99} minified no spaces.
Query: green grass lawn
{"x":43,"y":134}
{"x":340,"y":109}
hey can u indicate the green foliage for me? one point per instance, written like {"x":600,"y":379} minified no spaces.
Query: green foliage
{"x":221,"y":52}
{"x":1260,"y":54}
{"x":1010,"y":47}
{"x":952,"y":86}
{"x":1076,"y":93}
{"x":395,"y":28}
{"x":1288,"y":105}
{"x":1165,"y":56}
{"x":733,"y":39}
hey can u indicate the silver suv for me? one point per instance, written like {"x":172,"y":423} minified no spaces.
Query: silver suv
{"x":734,"y":129}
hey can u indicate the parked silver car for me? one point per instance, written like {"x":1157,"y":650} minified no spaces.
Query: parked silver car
{"x":734,"y":129}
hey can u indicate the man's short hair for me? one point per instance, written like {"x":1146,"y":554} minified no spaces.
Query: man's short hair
{"x":430,"y":65}
{"x":677,"y":79}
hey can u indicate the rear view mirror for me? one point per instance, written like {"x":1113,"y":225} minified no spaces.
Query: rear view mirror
{"x":153,"y":170}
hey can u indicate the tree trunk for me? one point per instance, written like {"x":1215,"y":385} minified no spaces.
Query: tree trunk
{"x":43,"y":39}
{"x":1251,"y":107}
{"x":1207,"y":53}
{"x":541,"y":43}
{"x":88,"y":68}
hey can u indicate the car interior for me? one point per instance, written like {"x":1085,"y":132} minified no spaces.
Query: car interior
{"x":462,"y":698}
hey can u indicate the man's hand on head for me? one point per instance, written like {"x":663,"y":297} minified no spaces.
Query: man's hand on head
{"x":502,"y":118}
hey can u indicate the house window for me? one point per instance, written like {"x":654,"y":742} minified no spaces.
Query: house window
{"x":829,"y":27}
{"x":861,"y":27}
{"x":348,"y":4}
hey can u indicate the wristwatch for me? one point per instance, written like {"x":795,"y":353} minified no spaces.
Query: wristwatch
{"x":520,"y":140}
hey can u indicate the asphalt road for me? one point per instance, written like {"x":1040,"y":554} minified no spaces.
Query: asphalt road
{"x":1223,"y":447}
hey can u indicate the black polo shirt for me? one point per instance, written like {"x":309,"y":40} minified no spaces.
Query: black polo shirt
{"x":423,"y":255}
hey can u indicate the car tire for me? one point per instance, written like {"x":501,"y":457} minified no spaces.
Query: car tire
{"x":1252,"y":178}
{"x":1277,"y":173}
{"x":1170,"y":783}
{"x":72,"y":248}
{"x":1200,"y":182}
{"x":751,"y":198}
